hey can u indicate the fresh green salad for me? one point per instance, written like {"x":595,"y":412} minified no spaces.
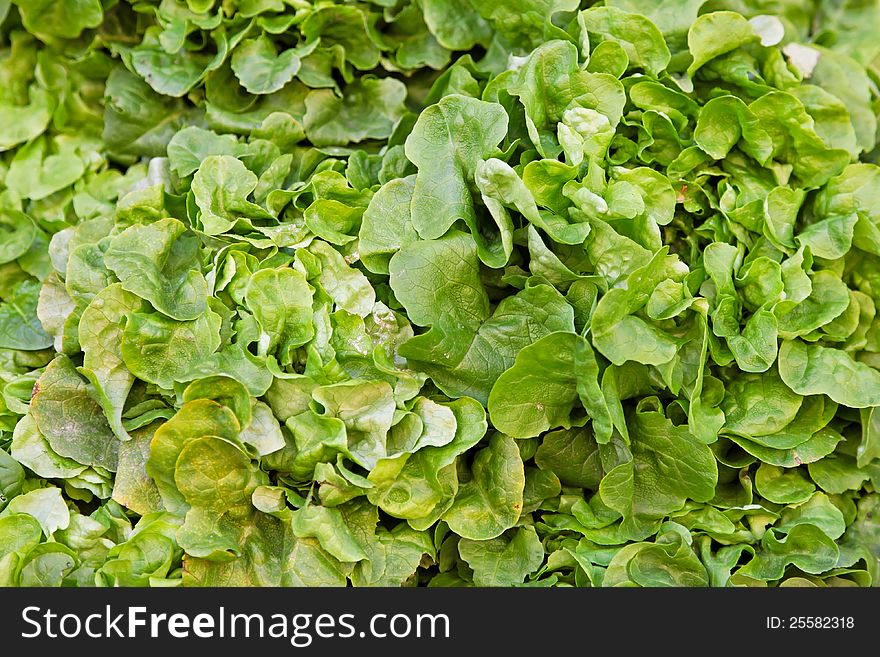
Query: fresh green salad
{"x":439,"y":293}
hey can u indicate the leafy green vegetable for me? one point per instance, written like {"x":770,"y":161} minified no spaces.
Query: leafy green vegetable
{"x":439,"y":293}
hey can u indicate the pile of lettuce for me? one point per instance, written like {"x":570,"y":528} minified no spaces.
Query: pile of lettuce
{"x":439,"y":292}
